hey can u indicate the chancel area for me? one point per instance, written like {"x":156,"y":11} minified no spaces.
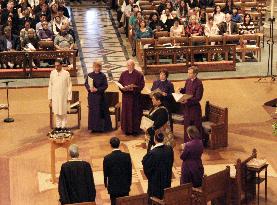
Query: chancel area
{"x":138,"y":102}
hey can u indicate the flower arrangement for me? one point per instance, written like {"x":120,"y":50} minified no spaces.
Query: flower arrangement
{"x":274,"y":126}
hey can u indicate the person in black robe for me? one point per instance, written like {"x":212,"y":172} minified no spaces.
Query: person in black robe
{"x":192,"y":107}
{"x":133,"y":82}
{"x":157,"y":167}
{"x":167,"y":88}
{"x":160,"y":116}
{"x":76,"y":182}
{"x":99,"y":119}
{"x":117,"y":168}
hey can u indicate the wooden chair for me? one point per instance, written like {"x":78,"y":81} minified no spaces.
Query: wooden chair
{"x":161,"y":34}
{"x":74,"y":110}
{"x":141,"y":199}
{"x":178,"y":113}
{"x":215,"y":125}
{"x":215,"y":188}
{"x":83,"y":203}
{"x":180,"y":195}
{"x":113,"y":105}
{"x":251,"y":48}
{"x":238,"y":186}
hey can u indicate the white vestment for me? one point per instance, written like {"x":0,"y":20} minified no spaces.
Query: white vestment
{"x":60,"y":91}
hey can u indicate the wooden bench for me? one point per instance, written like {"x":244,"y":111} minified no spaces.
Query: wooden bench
{"x":24,"y":59}
{"x":238,"y":185}
{"x":215,"y":188}
{"x":150,"y":58}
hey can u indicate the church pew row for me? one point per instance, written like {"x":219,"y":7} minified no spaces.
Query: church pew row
{"x":25,"y":67}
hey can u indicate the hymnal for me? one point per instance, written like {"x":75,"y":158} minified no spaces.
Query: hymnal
{"x":146,"y":123}
{"x":74,"y":104}
{"x":119,"y":84}
{"x":178,"y":97}
{"x":153,"y":91}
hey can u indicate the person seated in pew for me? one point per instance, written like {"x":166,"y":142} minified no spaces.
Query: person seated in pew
{"x":211,"y":28}
{"x":143,"y":31}
{"x":202,"y":16}
{"x":229,"y":27}
{"x":177,"y":30}
{"x":76,"y":182}
{"x":45,"y":33}
{"x":235,"y":16}
{"x":192,"y":168}
{"x":170,"y":21}
{"x":155,"y":23}
{"x":229,"y":5}
{"x":182,"y":11}
{"x":219,"y":16}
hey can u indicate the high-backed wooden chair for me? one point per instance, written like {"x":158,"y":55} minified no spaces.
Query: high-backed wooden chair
{"x":215,"y":125}
{"x":180,"y":195}
{"x":112,"y":99}
{"x":238,"y":186}
{"x":74,"y":110}
{"x":83,"y":203}
{"x":215,"y":187}
{"x":161,"y":34}
{"x":141,"y":199}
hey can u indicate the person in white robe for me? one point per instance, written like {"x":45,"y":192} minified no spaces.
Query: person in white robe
{"x":60,"y":94}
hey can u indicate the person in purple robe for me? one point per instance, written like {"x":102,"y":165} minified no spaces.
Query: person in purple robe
{"x":192,"y":167}
{"x":192,"y":107}
{"x":133,"y":82}
{"x":167,"y":89}
{"x":99,"y":119}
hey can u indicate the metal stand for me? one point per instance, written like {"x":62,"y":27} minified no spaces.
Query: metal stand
{"x":270,"y":43}
{"x":8,"y":119}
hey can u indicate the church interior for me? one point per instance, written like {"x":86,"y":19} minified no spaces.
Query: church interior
{"x":247,"y":90}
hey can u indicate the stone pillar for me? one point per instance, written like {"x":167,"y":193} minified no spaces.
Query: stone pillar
{"x":267,"y":15}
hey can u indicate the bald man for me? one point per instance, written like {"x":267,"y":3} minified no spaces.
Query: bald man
{"x":133,"y":82}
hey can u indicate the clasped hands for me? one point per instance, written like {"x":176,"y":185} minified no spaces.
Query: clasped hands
{"x":93,"y":89}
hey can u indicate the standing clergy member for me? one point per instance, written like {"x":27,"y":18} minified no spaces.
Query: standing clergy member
{"x":133,"y":82}
{"x":192,"y":107}
{"x":117,"y":168}
{"x":99,"y":119}
{"x":59,"y":93}
{"x":167,"y":89}
{"x":157,"y":167}
{"x":76,"y":183}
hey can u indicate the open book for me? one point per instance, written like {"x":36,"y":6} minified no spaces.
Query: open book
{"x":90,"y":82}
{"x":74,"y":104}
{"x":151,"y":92}
{"x":121,"y":86}
{"x":146,"y":123}
{"x":178,"y":97}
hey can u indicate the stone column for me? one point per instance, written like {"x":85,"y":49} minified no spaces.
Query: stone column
{"x":267,"y":15}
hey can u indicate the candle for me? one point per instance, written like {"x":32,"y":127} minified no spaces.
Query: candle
{"x":272,"y":9}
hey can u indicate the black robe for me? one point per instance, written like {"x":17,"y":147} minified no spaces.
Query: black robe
{"x":99,"y":119}
{"x":157,"y":167}
{"x":76,"y":183}
{"x":160,"y":117}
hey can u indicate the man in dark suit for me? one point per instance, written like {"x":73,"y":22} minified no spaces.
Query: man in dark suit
{"x":117,"y":171}
{"x":157,"y":167}
{"x":76,"y":182}
{"x":229,"y":27}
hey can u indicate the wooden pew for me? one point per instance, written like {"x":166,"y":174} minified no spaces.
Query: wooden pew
{"x":238,"y":186}
{"x":24,"y":60}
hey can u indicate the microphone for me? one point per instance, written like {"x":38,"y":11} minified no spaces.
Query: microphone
{"x":9,"y":81}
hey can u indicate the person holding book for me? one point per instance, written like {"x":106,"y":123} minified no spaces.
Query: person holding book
{"x":160,"y":117}
{"x":99,"y":119}
{"x":132,"y":83}
{"x":167,"y":88}
{"x":192,"y":107}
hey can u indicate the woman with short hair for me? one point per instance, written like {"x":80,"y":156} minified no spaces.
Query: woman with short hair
{"x":192,"y":168}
